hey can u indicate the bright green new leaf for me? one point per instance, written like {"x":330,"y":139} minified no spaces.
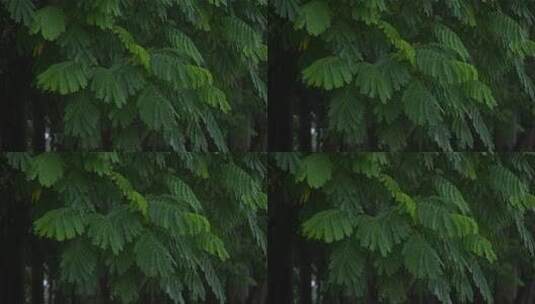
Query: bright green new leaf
{"x":214,"y":245}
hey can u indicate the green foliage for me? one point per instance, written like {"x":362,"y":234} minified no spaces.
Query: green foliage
{"x":329,"y":225}
{"x":451,"y":194}
{"x":61,"y":224}
{"x":21,"y":10}
{"x":402,"y":198}
{"x":183,"y":192}
{"x":78,"y":262}
{"x":185,"y":45}
{"x":153,"y":71}
{"x":137,"y":201}
{"x":145,"y":222}
{"x":316,"y":169}
{"x":315,"y":16}
{"x":155,"y":110}
{"x":329,"y":73}
{"x":108,"y":87}
{"x":349,"y":112}
{"x":420,"y":105}
{"x":50,"y":21}
{"x":170,"y":216}
{"x":152,"y":256}
{"x":375,"y":235}
{"x":421,"y":259}
{"x":450,"y":39}
{"x":114,"y":230}
{"x":214,"y":246}
{"x":380,"y":79}
{"x":346,"y":265}
{"x":140,"y":54}
{"x":450,"y":76}
{"x":64,"y":78}
{"x":418,"y":224}
{"x":402,"y":45}
{"x":81,"y":118}
{"x":47,"y":168}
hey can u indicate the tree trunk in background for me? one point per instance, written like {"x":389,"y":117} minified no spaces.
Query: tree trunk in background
{"x":14,"y":89}
{"x":282,"y":75}
{"x":38,"y":140}
{"x":305,"y":138}
{"x":372,"y":141}
{"x":325,"y":142}
{"x":59,"y":297}
{"x":280,"y":238}
{"x":478,"y":299}
{"x":14,"y":221}
{"x":528,"y":294}
{"x":241,"y":136}
{"x":105,"y":292}
{"x":259,"y":294}
{"x":305,"y":274}
{"x":528,"y":141}
{"x":259,"y":141}
{"x":74,"y":297}
{"x":38,"y":296}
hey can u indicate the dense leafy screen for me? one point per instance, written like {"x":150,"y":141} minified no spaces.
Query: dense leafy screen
{"x":131,"y":75}
{"x":142,"y":227}
{"x":403,"y":228}
{"x":401,"y":75}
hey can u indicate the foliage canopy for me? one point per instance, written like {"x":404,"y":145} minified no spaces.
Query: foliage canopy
{"x":402,"y":227}
{"x":149,"y":223}
{"x":127,"y":75}
{"x":408,"y":75}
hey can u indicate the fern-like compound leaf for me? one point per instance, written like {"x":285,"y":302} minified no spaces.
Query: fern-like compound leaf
{"x":79,"y":262}
{"x":449,"y":38}
{"x":64,"y":78}
{"x":421,"y":259}
{"x":420,"y":105}
{"x":152,"y":256}
{"x":213,"y":245}
{"x":21,"y":10}
{"x":108,"y":86}
{"x":82,"y":118}
{"x":155,"y":109}
{"x":346,"y":265}
{"x":329,"y":73}
{"x":329,"y":225}
{"x":61,"y":224}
